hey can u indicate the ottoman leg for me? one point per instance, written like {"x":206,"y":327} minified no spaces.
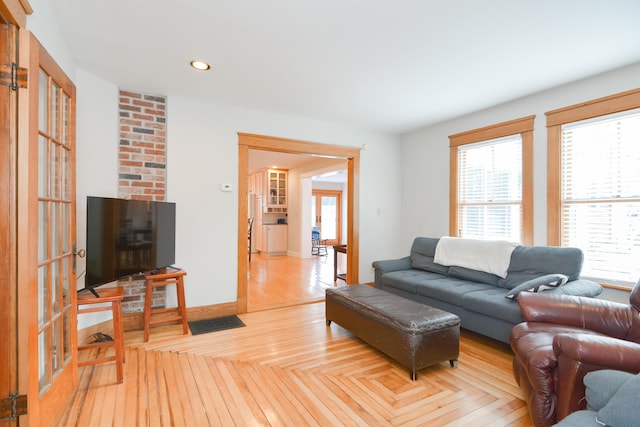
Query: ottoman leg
{"x":328,"y":322}
{"x":413,"y":375}
{"x":453,"y":363}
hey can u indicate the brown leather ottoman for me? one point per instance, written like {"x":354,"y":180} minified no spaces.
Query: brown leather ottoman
{"x":413,"y":334}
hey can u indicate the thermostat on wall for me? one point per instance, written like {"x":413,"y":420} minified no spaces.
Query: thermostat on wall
{"x":225,"y":187}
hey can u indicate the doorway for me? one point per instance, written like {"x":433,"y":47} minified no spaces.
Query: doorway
{"x":275,"y":144}
{"x":326,"y":214}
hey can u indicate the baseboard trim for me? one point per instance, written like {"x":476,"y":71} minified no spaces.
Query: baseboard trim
{"x":135,"y":321}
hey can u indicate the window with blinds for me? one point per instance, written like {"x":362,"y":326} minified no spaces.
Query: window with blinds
{"x":600,"y":195}
{"x":490,"y":189}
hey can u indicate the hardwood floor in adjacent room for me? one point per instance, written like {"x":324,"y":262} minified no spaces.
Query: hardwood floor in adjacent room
{"x":287,"y":368}
{"x":282,"y":281}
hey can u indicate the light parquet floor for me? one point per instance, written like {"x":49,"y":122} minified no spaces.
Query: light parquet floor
{"x":282,"y":281}
{"x":287,"y":368}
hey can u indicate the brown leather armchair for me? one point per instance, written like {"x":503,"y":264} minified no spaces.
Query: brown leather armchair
{"x":565,"y":337}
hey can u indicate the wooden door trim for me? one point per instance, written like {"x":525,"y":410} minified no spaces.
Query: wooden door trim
{"x":248,"y":141}
{"x":13,"y":18}
{"x":8,"y":233}
{"x":16,"y":11}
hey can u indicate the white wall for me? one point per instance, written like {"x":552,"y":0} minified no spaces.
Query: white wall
{"x":202,"y":154}
{"x":96,"y":151}
{"x":96,"y":162}
{"x":404,"y":188}
{"x":425,"y":156}
{"x":96,"y":159}
{"x":425,"y":153}
{"x":46,"y":28}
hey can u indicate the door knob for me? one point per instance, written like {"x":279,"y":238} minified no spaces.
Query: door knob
{"x":81,"y":253}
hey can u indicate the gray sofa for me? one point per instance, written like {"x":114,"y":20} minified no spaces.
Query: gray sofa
{"x":480,"y":298}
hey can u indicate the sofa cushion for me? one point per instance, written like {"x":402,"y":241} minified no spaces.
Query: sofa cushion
{"x":539,"y":284}
{"x":579,"y":419}
{"x":407,"y":280}
{"x":600,"y":386}
{"x":530,"y":262}
{"x":473,"y":275}
{"x":449,"y":289}
{"x":422,"y":253}
{"x":493,"y":302}
{"x":623,"y":409}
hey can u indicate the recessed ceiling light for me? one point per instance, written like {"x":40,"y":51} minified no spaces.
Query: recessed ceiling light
{"x":200,"y":65}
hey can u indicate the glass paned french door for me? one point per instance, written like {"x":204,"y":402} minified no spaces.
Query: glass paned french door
{"x":326,"y":213}
{"x":55,"y":251}
{"x":49,"y":231}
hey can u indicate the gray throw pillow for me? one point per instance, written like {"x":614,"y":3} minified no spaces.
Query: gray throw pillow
{"x":623,"y":409}
{"x":538,"y":284}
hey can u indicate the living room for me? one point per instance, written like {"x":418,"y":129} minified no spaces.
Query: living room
{"x":397,"y":217}
{"x":394,"y":170}
{"x":403,"y":174}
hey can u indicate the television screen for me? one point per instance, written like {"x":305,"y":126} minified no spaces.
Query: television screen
{"x":127,"y":237}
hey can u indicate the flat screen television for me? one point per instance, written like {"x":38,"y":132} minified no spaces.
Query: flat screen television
{"x":126,"y":238}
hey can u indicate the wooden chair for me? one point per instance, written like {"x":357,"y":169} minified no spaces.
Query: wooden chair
{"x":88,"y":303}
{"x":167,"y":276}
{"x":318,"y":246}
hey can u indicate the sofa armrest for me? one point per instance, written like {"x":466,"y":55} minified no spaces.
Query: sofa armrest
{"x":597,"y":350}
{"x":386,"y":266}
{"x":393,"y":264}
{"x":606,"y":317}
{"x":579,"y":354}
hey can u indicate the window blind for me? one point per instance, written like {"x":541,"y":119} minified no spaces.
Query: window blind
{"x":490,"y":189}
{"x":601,"y":195}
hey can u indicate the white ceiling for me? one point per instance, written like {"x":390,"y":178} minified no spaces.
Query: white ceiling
{"x":259,"y":159}
{"x":386,"y":65}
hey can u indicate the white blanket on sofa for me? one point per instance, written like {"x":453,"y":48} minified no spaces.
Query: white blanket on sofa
{"x":490,"y":256}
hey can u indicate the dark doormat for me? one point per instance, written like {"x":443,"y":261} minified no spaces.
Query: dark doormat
{"x":212,"y":325}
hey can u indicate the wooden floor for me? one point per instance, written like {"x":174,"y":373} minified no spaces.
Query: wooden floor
{"x":287,"y":368}
{"x":282,"y":281}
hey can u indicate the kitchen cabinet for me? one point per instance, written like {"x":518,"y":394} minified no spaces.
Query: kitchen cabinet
{"x":274,"y":239}
{"x":271,"y":184}
{"x":277,"y":188}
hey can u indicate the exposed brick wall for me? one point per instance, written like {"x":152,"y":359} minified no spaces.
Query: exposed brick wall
{"x":142,"y":172}
{"x":142,"y":150}
{"x":134,"y":289}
